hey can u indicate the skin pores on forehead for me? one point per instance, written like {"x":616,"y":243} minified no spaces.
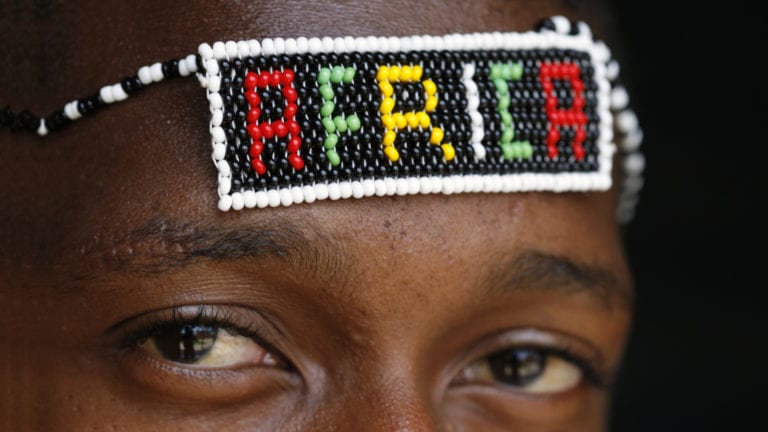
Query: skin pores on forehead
{"x":376,"y":304}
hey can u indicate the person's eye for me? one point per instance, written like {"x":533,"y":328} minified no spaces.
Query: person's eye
{"x":528,"y":370}
{"x":206,"y":345}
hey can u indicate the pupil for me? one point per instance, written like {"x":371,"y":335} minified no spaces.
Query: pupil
{"x":517,"y":367}
{"x":185,"y":343}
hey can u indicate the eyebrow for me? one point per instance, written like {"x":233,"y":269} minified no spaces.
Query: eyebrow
{"x":534,"y":269}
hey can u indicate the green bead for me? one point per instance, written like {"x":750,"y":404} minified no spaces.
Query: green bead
{"x":353,"y":122}
{"x":507,"y":134}
{"x":337,"y":74}
{"x":516,"y":71}
{"x":527,"y":150}
{"x":328,"y":124}
{"x":333,"y":157}
{"x":508,"y":150}
{"x":330,"y":141}
{"x":323,"y":76}
{"x":501,"y":86}
{"x":327,"y":109}
{"x":506,"y":118}
{"x":326,"y":91}
{"x":495,"y":71}
{"x":506,"y":71}
{"x":504,"y":101}
{"x":349,"y":75}
{"x":341,"y":124}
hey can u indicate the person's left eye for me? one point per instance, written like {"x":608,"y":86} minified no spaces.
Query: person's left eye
{"x":528,"y":370}
{"x":208,"y":346}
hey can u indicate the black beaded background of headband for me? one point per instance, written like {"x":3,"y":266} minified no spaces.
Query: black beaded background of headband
{"x":300,"y":120}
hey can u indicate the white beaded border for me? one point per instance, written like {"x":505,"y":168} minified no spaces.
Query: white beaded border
{"x":518,"y":182}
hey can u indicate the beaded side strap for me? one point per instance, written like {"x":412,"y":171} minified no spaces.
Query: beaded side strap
{"x":306,"y":119}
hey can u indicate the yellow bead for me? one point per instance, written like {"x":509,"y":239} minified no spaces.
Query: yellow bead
{"x":423,"y":119}
{"x":399,"y":120}
{"x":382,"y":74}
{"x":429,"y":87}
{"x":430,"y":104}
{"x":412,"y":120}
{"x":391,"y":153}
{"x":387,"y":105}
{"x":386,"y":88}
{"x":389,"y":138}
{"x":406,"y":74}
{"x":437,"y":136}
{"x":388,"y":122}
{"x":417,"y":71}
{"x":448,"y":151}
{"x":394,"y":74}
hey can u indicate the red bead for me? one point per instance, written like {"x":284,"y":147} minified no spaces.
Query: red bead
{"x":294,"y":144}
{"x":288,"y":77}
{"x":551,"y":103}
{"x":552,"y":152}
{"x":266,"y":130}
{"x":581,"y":118}
{"x":556,"y":117}
{"x":253,"y":115}
{"x":547,"y":86}
{"x":296,"y":161}
{"x":293,"y":127}
{"x":577,"y":85}
{"x":253,"y":131}
{"x":263,"y":79}
{"x":290,"y":94}
{"x":575,"y":71}
{"x":581,"y":135}
{"x":275,"y":78}
{"x":578,"y":152}
{"x":256,"y":148}
{"x":578,"y":103}
{"x":569,"y":117}
{"x":259,"y":166}
{"x":553,"y":136}
{"x":545,"y":70}
{"x":253,"y":98}
{"x":251,"y":80}
{"x":279,"y":128}
{"x":290,"y":111}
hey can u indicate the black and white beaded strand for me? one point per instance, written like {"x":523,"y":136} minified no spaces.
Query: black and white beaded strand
{"x":26,"y":121}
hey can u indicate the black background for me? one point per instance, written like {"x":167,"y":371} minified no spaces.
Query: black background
{"x":695,"y":361}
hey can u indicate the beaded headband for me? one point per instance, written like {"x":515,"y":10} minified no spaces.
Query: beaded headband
{"x":300,"y":120}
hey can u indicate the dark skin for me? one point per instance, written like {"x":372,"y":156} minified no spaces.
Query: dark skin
{"x":377,"y":314}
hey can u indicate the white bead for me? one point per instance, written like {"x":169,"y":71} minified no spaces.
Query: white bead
{"x":634,"y":163}
{"x":302,"y":45}
{"x":70,"y":110}
{"x":309,"y":194}
{"x":327,"y":44}
{"x":274,"y":198}
{"x":224,"y":169}
{"x":369,"y":187}
{"x":215,"y":100}
{"x":225,"y":202}
{"x":297,"y":194}
{"x":358,"y":191}
{"x":291,"y":46}
{"x":205,"y":51}
{"x":458,"y":184}
{"x":183,"y":71}
{"x":391,"y":186}
{"x":231,"y":49}
{"x":619,"y":98}
{"x":219,"y":151}
{"x":243,"y":50}
{"x":286,"y":198}
{"x":334,"y":192}
{"x":480,"y":151}
{"x":562,"y":24}
{"x":214,"y":83}
{"x":345,"y":189}
{"x":371,"y":43}
{"x":413,"y":185}
{"x":632,"y":140}
{"x":349,"y":43}
{"x":218,"y":135}
{"x":144,"y":75}
{"x":321,"y":191}
{"x":191,"y":62}
{"x":237,"y":201}
{"x":262,"y":199}
{"x":584,"y":30}
{"x":417,"y":43}
{"x":339,"y":46}
{"x":217,"y":116}
{"x":626,"y":121}
{"x":612,"y":71}
{"x":106,"y":94}
{"x":279,"y":46}
{"x":156,"y":72}
{"x":425,"y":185}
{"x":212,"y":67}
{"x":437,"y":184}
{"x":255,"y":47}
{"x":42,"y":130}
{"x":267,"y":47}
{"x":118,"y":93}
{"x":315,"y":45}
{"x":380,"y":187}
{"x":249,"y":199}
{"x":219,"y":50}
{"x":448,"y":186}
